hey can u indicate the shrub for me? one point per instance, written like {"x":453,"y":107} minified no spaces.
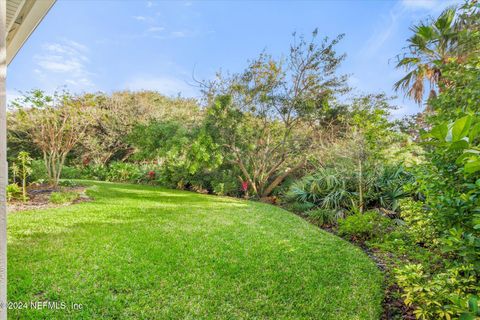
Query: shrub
{"x":300,"y":207}
{"x":226,"y":183}
{"x":95,"y":172}
{"x":364,"y":226}
{"x":71,"y":173}
{"x":388,"y":187}
{"x":325,"y":189}
{"x":63,"y":197}
{"x":148,"y":175}
{"x":419,"y":221}
{"x":123,"y":172}
{"x":39,"y":172}
{"x":14,"y":192}
{"x":68,"y":183}
{"x":446,"y":295}
{"x":324,"y":216}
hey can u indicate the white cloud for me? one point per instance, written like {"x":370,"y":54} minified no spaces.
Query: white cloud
{"x":380,"y":36}
{"x":390,"y":23}
{"x":140,"y":18}
{"x":13,"y":95}
{"x":150,"y":4}
{"x":165,"y":84}
{"x":155,"y":29}
{"x":65,"y":61}
{"x":178,"y":34}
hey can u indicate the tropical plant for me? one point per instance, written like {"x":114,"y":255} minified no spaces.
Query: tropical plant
{"x":432,"y":44}
{"x":389,"y":187}
{"x":14,"y":192}
{"x":15,"y":169}
{"x":326,"y":189}
{"x":324,"y":217}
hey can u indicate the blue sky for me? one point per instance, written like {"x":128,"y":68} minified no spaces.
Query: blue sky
{"x":113,"y":45}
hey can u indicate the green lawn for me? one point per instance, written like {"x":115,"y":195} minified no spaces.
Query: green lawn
{"x":139,"y":252}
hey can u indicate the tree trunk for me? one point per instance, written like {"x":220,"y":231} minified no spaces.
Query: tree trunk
{"x":247,"y":176}
{"x":24,"y":185}
{"x":279,"y":179}
{"x":360,"y":185}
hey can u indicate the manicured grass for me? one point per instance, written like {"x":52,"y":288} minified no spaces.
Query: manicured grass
{"x":139,"y":252}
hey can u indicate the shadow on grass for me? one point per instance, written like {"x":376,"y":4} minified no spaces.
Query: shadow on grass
{"x":157,"y":195}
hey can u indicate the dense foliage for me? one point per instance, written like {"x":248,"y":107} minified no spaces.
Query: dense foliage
{"x":409,"y":191}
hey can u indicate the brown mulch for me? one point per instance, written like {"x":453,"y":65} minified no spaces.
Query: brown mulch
{"x":39,"y":195}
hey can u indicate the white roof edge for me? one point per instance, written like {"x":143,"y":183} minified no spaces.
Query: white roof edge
{"x":28,"y":25}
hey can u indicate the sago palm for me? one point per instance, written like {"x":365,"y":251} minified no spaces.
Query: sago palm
{"x":432,"y":44}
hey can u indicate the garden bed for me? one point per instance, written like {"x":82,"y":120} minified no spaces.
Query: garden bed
{"x":39,"y":197}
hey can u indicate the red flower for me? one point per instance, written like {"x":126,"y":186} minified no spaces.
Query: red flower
{"x":151,"y":174}
{"x":244,"y":186}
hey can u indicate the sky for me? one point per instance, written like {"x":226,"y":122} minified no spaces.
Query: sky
{"x":89,"y":46}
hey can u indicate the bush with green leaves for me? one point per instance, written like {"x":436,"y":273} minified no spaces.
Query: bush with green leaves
{"x":225,"y":180}
{"x":299,"y":207}
{"x":420,"y":222}
{"x":123,"y":172}
{"x":68,"y":183}
{"x":447,"y":183}
{"x":450,"y":186}
{"x":365,"y":226}
{"x":449,"y":294}
{"x":95,"y":172}
{"x":39,"y":171}
{"x":326,"y":189}
{"x":389,"y":187}
{"x":334,"y":189}
{"x":62,"y":197}
{"x":14,"y":192}
{"x":70,"y":172}
{"x":324,"y":217}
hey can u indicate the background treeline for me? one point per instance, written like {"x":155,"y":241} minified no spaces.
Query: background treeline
{"x":290,"y":131}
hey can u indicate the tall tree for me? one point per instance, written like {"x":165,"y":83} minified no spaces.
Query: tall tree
{"x":262,"y":117}
{"x":453,"y":35}
{"x":430,"y":46}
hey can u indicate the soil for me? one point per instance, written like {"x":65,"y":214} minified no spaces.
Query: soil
{"x":39,"y":195}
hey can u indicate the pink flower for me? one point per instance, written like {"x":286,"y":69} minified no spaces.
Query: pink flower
{"x":244,"y":186}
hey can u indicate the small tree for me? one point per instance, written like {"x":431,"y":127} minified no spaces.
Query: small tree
{"x":24,"y":170}
{"x":15,"y":171}
{"x":55,"y":124}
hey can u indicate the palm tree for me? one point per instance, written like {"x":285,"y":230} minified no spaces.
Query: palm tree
{"x":432,"y":45}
